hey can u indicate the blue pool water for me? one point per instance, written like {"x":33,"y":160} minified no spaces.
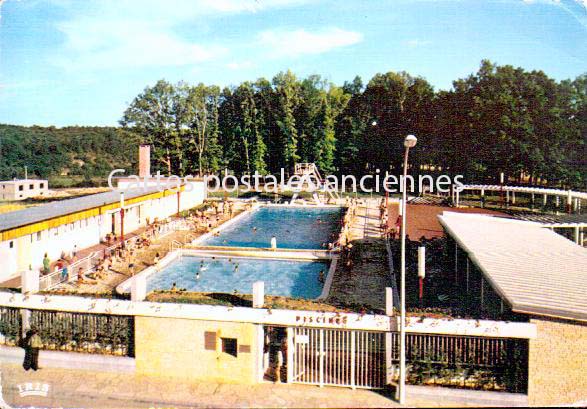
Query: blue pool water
{"x":281,"y":277}
{"x":293,"y":227}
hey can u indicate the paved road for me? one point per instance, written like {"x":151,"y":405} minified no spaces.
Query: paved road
{"x":70,"y":388}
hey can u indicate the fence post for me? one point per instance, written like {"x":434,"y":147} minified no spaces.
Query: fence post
{"x":138,"y":290}
{"x":388,"y":301}
{"x":258,"y":294}
{"x":25,"y":319}
{"x":30,"y":281}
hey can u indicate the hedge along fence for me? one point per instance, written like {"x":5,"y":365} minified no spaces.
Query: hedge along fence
{"x":10,"y":325}
{"x":465,"y":361}
{"x":74,"y":332}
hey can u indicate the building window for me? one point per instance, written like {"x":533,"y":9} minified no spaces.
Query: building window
{"x":229,"y":346}
{"x":41,"y":185}
{"x":38,"y":236}
{"x":21,"y":187}
{"x":11,"y":244}
{"x":31,"y":187}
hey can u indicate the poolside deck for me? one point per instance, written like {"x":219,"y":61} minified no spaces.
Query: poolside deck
{"x":143,"y":258}
{"x":362,"y":287}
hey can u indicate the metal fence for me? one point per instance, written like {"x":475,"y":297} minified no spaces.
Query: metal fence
{"x":69,"y":331}
{"x":338,"y":357}
{"x":465,"y":361}
{"x":10,"y":325}
{"x":368,"y":359}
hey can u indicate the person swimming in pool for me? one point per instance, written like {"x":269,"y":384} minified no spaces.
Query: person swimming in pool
{"x":254,"y":229}
{"x":236,"y":267}
{"x":198,"y":275}
{"x":321,"y":276}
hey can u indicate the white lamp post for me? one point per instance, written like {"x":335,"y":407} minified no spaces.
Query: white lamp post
{"x":409,"y":142}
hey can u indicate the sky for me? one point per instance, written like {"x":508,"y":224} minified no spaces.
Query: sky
{"x":81,"y":62}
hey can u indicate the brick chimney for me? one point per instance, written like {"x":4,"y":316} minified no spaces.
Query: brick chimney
{"x":144,"y":161}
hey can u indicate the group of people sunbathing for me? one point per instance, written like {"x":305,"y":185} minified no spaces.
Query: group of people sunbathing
{"x":207,"y":219}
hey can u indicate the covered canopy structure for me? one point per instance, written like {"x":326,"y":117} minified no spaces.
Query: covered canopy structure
{"x":531,"y":268}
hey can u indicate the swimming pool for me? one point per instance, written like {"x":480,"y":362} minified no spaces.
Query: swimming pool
{"x":293,"y":227}
{"x":226,"y":274}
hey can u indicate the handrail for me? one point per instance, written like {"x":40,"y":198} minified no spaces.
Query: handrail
{"x":176,"y":245}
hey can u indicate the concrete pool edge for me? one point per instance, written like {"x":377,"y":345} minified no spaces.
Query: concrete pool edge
{"x":126,"y":286}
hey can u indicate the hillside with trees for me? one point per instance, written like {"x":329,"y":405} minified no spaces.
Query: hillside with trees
{"x":82,"y":152}
{"x":499,"y":119}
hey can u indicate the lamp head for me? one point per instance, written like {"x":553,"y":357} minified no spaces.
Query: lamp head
{"x":410,"y":141}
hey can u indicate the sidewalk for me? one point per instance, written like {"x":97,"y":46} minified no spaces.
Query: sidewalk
{"x":79,"y":388}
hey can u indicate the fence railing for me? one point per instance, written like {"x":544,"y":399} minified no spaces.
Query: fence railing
{"x":81,"y":332}
{"x":10,"y":325}
{"x":465,"y":361}
{"x":69,"y":331}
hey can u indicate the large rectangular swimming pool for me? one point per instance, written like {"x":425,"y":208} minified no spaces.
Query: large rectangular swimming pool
{"x":293,"y":227}
{"x":228,"y":274}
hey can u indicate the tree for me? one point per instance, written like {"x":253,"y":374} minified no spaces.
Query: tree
{"x":151,"y":116}
{"x":202,"y":131}
{"x":287,"y":92}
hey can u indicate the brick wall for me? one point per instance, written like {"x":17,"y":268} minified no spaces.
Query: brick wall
{"x":192,"y":349}
{"x":557,"y":372}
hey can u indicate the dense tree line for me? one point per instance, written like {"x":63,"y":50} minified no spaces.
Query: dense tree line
{"x":500,"y":119}
{"x":49,"y":151}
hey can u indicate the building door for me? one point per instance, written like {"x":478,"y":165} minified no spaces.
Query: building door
{"x":275,"y":354}
{"x":335,"y":357}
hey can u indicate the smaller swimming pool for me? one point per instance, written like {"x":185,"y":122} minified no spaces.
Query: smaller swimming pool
{"x":289,"y":278}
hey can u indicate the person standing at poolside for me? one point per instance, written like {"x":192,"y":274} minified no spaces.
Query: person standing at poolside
{"x":273,"y":242}
{"x":46,"y":264}
{"x":64,"y":273}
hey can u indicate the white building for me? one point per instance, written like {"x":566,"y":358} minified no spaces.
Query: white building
{"x":21,"y":189}
{"x":26,"y":235}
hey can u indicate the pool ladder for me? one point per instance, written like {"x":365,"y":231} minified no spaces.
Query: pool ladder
{"x":176,"y":245}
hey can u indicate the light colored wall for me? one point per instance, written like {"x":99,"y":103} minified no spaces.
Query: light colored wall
{"x":557,"y":366}
{"x":29,"y":250}
{"x":173,"y":347}
{"x":10,"y":190}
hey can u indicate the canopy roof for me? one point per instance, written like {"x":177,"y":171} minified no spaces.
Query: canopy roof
{"x":533,"y":269}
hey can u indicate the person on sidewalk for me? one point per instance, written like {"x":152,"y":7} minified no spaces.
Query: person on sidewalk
{"x":31,"y":343}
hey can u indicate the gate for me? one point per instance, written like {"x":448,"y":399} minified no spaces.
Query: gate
{"x":334,"y":357}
